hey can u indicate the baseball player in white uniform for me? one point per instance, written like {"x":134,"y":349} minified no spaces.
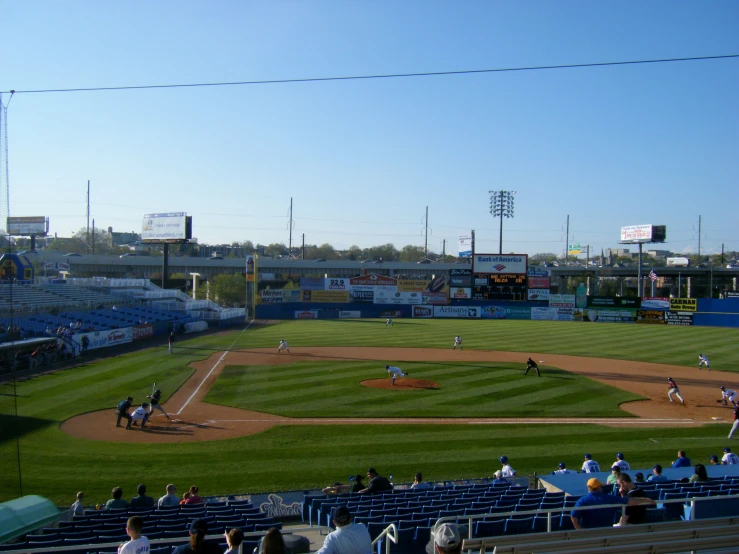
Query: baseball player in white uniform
{"x":388,"y":321}
{"x":728,"y":395}
{"x":458,"y":342}
{"x":729,"y":458}
{"x":395,"y":372}
{"x":590,"y":465}
{"x":620,"y":462}
{"x":283,"y":345}
{"x":702,"y":360}
{"x":141,"y":414}
{"x":506,"y":470}
{"x":562,"y":470}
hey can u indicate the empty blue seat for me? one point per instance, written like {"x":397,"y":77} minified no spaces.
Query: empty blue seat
{"x":489,"y":528}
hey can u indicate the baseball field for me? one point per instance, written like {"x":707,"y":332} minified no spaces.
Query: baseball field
{"x":247,"y":420}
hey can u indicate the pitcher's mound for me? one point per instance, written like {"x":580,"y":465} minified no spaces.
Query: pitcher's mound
{"x":402,"y":383}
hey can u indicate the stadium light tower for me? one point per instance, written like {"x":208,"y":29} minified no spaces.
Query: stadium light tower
{"x":501,"y":205}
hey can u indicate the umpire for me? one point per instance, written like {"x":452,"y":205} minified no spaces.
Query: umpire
{"x":122,"y":412}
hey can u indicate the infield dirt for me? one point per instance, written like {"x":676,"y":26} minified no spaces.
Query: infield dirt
{"x":198,"y":421}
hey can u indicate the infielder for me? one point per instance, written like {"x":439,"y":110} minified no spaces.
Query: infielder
{"x":702,"y":360}
{"x":590,"y":465}
{"x":730,"y":395}
{"x":531,"y":364}
{"x":141,"y":414}
{"x":457,"y":342}
{"x":735,"y":426}
{"x":395,"y":372}
{"x":673,"y":389}
{"x":283,"y":345}
{"x":155,"y":398}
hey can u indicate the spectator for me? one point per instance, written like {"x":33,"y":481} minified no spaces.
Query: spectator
{"x":194,"y":498}
{"x":613,"y":477}
{"x":729,"y":457}
{"x":418,"y":483}
{"x":272,"y":543}
{"x":357,"y":485}
{"x":590,"y":465}
{"x":169,"y":499}
{"x":499,"y":479}
{"x":587,"y":519}
{"x":198,"y":544}
{"x":117,"y":502}
{"x":336,"y":488}
{"x":681,"y":461}
{"x":638,"y":477}
{"x":621,"y":462}
{"x":700,"y":474}
{"x":141,"y":500}
{"x":562,"y":470}
{"x":78,"y":509}
{"x":234,"y":538}
{"x":185,"y":497}
{"x":657,"y":476}
{"x":138,"y":543}
{"x":377,"y":483}
{"x":627,"y":489}
{"x":507,"y":470}
{"x":714,"y":460}
{"x":348,"y":538}
{"x":445,"y":539}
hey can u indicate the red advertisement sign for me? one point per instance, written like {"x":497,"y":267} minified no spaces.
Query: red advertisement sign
{"x":143,"y":332}
{"x":373,"y":280}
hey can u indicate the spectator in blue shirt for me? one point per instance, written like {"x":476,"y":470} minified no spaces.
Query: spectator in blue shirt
{"x":682,"y":460}
{"x":603,"y":517}
{"x":657,"y":476}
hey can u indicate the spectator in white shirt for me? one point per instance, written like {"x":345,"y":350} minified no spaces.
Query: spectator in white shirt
{"x":349,"y":538}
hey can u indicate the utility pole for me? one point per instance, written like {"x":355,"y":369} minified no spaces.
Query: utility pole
{"x":567,"y":241}
{"x":303,"y":255}
{"x":88,"y":214}
{"x":93,"y":237}
{"x":426,"y":242}
{"x":290,"y":245}
{"x":443,"y":250}
{"x":722,"y":255}
{"x":472,"y":237}
{"x":699,"y":236}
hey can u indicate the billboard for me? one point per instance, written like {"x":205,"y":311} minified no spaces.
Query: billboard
{"x":460,"y":278}
{"x":634,"y":234}
{"x":465,"y":247}
{"x":280,"y":295}
{"x":679,"y":318}
{"x":574,"y":249}
{"x":457,"y":311}
{"x":306,"y":314}
{"x":312,"y":283}
{"x":683,"y":304}
{"x":561,"y":300}
{"x":169,"y":227}
{"x":384,"y":297}
{"x":325,"y":296}
{"x":507,"y":312}
{"x":27,"y":226}
{"x":500,"y":263}
{"x":423,"y":311}
{"x":655,"y":303}
{"x":538,"y":294}
{"x":412,"y":285}
{"x":460,"y":293}
{"x":373,"y":280}
{"x":335,"y":283}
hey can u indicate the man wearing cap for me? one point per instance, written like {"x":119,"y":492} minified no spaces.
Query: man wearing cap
{"x":122,"y":412}
{"x":562,"y":470}
{"x":657,"y":476}
{"x":198,"y":531}
{"x":682,"y":460}
{"x":613,"y":477}
{"x":590,"y":465}
{"x":348,"y":538}
{"x":714,"y":460}
{"x":729,"y":458}
{"x":627,"y":489}
{"x":587,"y":519}
{"x":507,"y":470}
{"x":621,"y":462}
{"x":445,"y":539}
{"x":377,"y":483}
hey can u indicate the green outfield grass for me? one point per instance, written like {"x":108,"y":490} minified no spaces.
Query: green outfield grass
{"x":56,"y":466}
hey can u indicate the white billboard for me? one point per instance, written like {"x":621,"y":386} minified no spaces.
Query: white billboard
{"x":165,"y":227}
{"x":457,"y":311}
{"x":636,"y":233}
{"x":394,"y":297}
{"x":27,"y":226}
{"x":465,"y":247}
{"x":500,"y":263}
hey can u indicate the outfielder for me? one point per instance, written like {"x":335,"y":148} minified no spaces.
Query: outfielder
{"x":388,"y":321}
{"x":395,"y":372}
{"x":155,"y":398}
{"x":730,"y":395}
{"x":457,"y":342}
{"x":283,"y":345}
{"x":531,"y":364}
{"x":673,"y":389}
{"x":702,"y":360}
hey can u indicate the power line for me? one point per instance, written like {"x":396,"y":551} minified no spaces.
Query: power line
{"x":381,"y":76}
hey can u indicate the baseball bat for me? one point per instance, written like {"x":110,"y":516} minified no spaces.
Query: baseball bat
{"x":153,"y":388}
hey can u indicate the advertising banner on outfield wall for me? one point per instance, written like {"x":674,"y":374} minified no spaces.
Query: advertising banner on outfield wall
{"x":683,"y":305}
{"x":457,"y":311}
{"x":561,"y":300}
{"x":391,"y":313}
{"x":140,"y":332}
{"x":606,"y":315}
{"x":538,"y":294}
{"x":435,"y":298}
{"x":552,"y":314}
{"x":336,"y":283}
{"x":350,"y":314}
{"x":650,"y":316}
{"x":539,"y":282}
{"x":412,"y":285}
{"x":613,"y":301}
{"x":362,"y":296}
{"x":325,"y":296}
{"x":102,"y":339}
{"x":497,"y":263}
{"x":312,"y":283}
{"x":374,"y":280}
{"x":280,"y":295}
{"x":655,"y":303}
{"x":424,"y":312}
{"x":459,"y":293}
{"x":679,"y":318}
{"x":383,"y":297}
{"x":500,"y":312}
{"x":306,"y":314}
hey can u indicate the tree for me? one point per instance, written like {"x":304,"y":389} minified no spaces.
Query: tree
{"x":353,"y":253}
{"x":411,"y":253}
{"x":275,"y":250}
{"x":228,"y":289}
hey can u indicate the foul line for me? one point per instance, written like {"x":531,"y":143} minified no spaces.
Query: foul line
{"x":212,"y":369}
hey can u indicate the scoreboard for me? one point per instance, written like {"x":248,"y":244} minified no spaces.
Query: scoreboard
{"x":500,"y":286}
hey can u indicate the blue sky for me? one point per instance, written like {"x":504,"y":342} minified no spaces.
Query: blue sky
{"x":608,"y":146}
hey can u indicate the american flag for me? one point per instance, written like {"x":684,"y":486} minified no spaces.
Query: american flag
{"x":652,"y":275}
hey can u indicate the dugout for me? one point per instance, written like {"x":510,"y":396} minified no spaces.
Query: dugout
{"x":16,"y":355}
{"x":23,"y":515}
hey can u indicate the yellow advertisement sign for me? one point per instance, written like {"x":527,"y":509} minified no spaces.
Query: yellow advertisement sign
{"x":412,"y":285}
{"x":683,"y":304}
{"x":325,"y":295}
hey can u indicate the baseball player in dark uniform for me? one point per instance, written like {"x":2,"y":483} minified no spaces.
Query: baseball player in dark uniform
{"x":122,"y":411}
{"x":673,"y":389}
{"x":170,"y":342}
{"x":155,"y":398}
{"x":531,"y":364}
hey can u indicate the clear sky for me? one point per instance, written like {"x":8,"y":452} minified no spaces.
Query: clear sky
{"x":608,"y":146}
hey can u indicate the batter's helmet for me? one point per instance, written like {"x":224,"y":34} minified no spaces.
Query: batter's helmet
{"x":588,"y":456}
{"x":619,"y":455}
{"x":562,"y":465}
{"x":504,"y":459}
{"x":723,"y":388}
{"x":387,"y":367}
{"x":157,"y":392}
